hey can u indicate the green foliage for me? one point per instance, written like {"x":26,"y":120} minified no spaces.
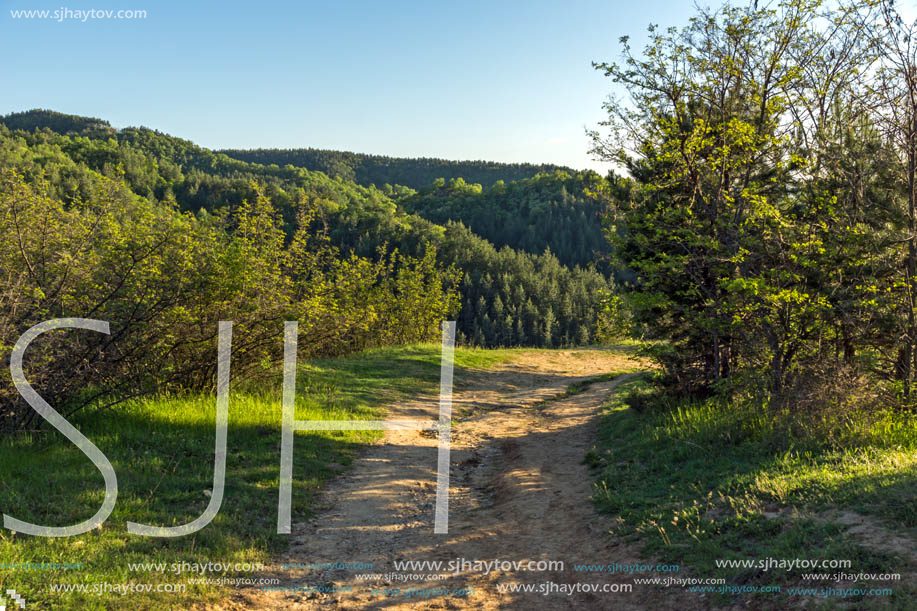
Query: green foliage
{"x":511,"y":298}
{"x":558,"y":211}
{"x":55,"y":121}
{"x":163,"y":279}
{"x":380,"y":170}
{"x":761,"y":231}
{"x":362,"y":225}
{"x":158,"y":446}
{"x":746,"y":487}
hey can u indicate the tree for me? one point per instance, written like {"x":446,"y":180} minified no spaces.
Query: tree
{"x":892,"y":95}
{"x":723,"y":223}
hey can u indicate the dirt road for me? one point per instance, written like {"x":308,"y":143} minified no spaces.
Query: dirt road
{"x":519,"y":492}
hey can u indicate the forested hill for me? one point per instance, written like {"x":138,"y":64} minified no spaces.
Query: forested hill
{"x":526,"y":207}
{"x":561,"y":211}
{"x":505,"y":296}
{"x":55,"y":121}
{"x":380,"y":170}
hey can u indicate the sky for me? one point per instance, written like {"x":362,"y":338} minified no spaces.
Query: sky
{"x":501,"y":80}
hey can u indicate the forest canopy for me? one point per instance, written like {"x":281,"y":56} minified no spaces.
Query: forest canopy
{"x":768,"y":213}
{"x":379,"y":170}
{"x":164,"y":238}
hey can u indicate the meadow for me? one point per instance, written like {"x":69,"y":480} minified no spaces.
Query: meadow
{"x":162,"y":451}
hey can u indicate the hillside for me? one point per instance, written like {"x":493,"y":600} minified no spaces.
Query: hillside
{"x":508,"y":297}
{"x":379,"y":170}
{"x":560,"y":211}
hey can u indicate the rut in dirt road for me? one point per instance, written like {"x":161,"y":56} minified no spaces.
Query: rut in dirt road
{"x":519,"y":493}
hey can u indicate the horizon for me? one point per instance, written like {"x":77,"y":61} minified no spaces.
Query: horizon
{"x":400,"y":80}
{"x":361,"y":153}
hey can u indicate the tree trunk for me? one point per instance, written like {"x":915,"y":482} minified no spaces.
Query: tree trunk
{"x":911,"y":264}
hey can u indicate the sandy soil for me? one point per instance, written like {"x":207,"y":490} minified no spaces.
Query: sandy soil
{"x":519,"y":491}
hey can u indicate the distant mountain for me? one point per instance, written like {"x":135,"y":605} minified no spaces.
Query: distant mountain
{"x":512,"y":292}
{"x":380,"y":170}
{"x":363,"y":169}
{"x":55,"y":121}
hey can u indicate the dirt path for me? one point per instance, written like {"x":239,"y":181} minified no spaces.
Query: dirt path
{"x":519,"y":492}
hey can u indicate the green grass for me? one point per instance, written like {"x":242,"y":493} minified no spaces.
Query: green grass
{"x":697,"y":481}
{"x":583,"y":385}
{"x":162,"y":452}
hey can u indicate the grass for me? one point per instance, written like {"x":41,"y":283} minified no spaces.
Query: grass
{"x":583,"y":385}
{"x":162,"y":451}
{"x":698,"y":481}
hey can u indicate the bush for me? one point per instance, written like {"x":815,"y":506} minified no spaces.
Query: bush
{"x":164,"y":279}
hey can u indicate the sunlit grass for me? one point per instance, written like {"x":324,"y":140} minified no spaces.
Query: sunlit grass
{"x":162,"y":451}
{"x":697,"y":481}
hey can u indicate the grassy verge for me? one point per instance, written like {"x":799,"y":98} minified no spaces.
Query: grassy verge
{"x":699,"y":481}
{"x":162,"y":451}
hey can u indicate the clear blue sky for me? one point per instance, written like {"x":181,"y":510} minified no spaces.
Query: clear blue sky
{"x":500,"y":80}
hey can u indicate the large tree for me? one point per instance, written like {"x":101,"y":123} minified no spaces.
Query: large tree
{"x":744,"y":205}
